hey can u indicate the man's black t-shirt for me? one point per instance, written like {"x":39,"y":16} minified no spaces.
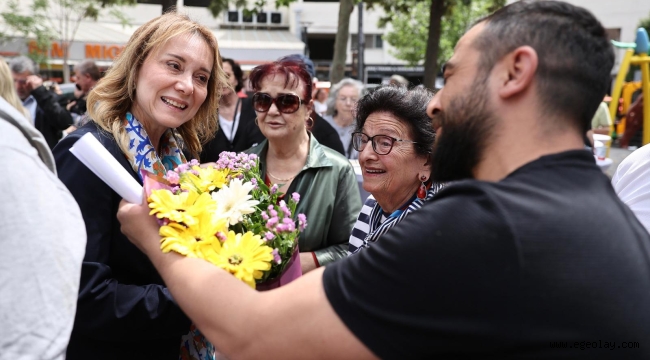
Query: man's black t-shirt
{"x":546,"y":258}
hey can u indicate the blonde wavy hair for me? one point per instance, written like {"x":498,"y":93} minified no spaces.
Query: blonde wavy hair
{"x":7,"y":89}
{"x":114,"y":94}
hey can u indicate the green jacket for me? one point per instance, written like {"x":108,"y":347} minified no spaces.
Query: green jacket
{"x":329,"y":197}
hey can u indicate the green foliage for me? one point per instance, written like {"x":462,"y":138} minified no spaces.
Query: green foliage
{"x":645,"y":23}
{"x":56,"y":20}
{"x":409,"y":35}
{"x":32,"y":25}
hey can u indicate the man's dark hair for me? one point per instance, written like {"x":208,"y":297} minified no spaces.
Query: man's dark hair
{"x":575,"y":55}
{"x":239,"y":74}
{"x":409,"y":106}
{"x":89,"y":68}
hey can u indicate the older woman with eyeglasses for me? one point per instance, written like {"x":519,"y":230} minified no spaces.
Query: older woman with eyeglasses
{"x":394,"y":137}
{"x":340,"y":111}
{"x":292,"y":159}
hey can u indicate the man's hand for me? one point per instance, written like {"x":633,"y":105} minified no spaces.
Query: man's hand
{"x":140,"y":227}
{"x":32,"y":82}
{"x":70,"y":105}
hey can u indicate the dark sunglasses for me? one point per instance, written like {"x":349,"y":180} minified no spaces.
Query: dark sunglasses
{"x":286,"y":103}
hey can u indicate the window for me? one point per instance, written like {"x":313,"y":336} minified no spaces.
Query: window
{"x":373,"y":41}
{"x":233,"y":16}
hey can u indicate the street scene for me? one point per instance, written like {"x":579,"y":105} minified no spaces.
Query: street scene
{"x":335,"y":179}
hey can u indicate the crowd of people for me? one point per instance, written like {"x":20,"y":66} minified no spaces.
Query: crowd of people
{"x":479,"y":238}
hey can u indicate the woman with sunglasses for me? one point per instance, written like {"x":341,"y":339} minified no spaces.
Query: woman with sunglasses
{"x":294,"y":160}
{"x":394,"y":137}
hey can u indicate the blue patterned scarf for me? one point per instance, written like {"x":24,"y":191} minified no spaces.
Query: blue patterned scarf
{"x":142,"y":154}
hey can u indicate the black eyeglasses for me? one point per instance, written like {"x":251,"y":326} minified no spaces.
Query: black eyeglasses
{"x":286,"y":103}
{"x":381,"y":144}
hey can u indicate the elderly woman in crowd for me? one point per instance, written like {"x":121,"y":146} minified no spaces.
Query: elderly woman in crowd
{"x":394,"y":138}
{"x":340,"y":111}
{"x":161,"y":92}
{"x":237,"y":129}
{"x":294,"y":160}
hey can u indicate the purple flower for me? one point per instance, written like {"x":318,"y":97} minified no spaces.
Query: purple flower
{"x":274,"y":189}
{"x":194,"y":162}
{"x":221,"y":236}
{"x":302,"y":221}
{"x":276,"y":256}
{"x":280,"y":228}
{"x":265,"y":216}
{"x":172,"y":177}
{"x":182,"y":168}
{"x":273,"y":213}
{"x":296,"y":197}
{"x":271,"y":223}
{"x":269,"y":236}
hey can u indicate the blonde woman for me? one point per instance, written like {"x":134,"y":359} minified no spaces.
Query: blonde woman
{"x":162,"y":93}
{"x":7,"y":89}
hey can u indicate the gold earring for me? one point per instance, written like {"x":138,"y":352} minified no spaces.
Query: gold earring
{"x":256,"y":122}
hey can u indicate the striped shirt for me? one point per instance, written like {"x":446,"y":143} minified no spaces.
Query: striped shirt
{"x":372,"y":222}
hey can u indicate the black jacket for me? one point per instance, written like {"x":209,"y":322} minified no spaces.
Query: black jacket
{"x":248,"y":134}
{"x":124,"y":311}
{"x":326,"y":134}
{"x":51,"y":118}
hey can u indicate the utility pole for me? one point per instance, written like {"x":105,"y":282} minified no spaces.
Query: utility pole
{"x":361,"y":45}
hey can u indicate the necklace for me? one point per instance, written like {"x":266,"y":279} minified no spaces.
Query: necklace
{"x":277,"y":178}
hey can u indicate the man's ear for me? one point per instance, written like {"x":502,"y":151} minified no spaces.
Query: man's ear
{"x":520,"y":67}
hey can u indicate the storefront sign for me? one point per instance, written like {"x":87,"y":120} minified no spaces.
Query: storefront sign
{"x":90,"y":51}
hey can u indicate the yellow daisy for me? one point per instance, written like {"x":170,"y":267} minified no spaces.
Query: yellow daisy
{"x":194,"y":240}
{"x":181,"y":208}
{"x":208,"y":179}
{"x":244,"y":256}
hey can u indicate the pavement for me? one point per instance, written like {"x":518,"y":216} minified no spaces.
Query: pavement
{"x":617,"y":155}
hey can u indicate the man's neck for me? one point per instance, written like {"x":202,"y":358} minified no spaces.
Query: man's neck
{"x":513,"y":149}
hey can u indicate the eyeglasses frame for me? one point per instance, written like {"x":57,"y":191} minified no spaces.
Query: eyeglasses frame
{"x":371,"y":139}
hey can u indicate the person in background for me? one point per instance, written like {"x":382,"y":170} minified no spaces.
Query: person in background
{"x":294,"y":160}
{"x":8,"y":91}
{"x":87,"y":75}
{"x":398,"y":80}
{"x":321,"y":129}
{"x":43,"y":239}
{"x":47,"y":115}
{"x":320,"y":102}
{"x":162,"y":91}
{"x":529,"y":249}
{"x":341,"y":103}
{"x":237,"y":130}
{"x":394,"y":137}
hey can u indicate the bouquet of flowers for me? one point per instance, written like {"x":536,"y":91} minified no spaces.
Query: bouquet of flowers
{"x":224,"y":213}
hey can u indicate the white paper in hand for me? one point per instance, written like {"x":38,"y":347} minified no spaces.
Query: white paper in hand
{"x":95,"y":156}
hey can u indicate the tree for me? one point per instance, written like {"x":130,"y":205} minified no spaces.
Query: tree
{"x":337,"y":69}
{"x":436,"y":23}
{"x":645,"y":23}
{"x":58,"y":20}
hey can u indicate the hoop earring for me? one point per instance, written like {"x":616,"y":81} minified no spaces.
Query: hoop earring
{"x":422,"y":191}
{"x":256,"y":122}
{"x":309,"y":123}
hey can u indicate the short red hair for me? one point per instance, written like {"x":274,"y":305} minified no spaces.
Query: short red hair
{"x":294,"y":72}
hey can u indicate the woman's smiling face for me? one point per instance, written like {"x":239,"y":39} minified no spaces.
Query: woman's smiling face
{"x":172,"y":83}
{"x":392,"y":178}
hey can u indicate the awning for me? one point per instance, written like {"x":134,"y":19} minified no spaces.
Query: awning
{"x":249,"y":47}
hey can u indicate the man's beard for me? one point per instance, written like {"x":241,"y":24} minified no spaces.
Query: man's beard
{"x":467,"y":124}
